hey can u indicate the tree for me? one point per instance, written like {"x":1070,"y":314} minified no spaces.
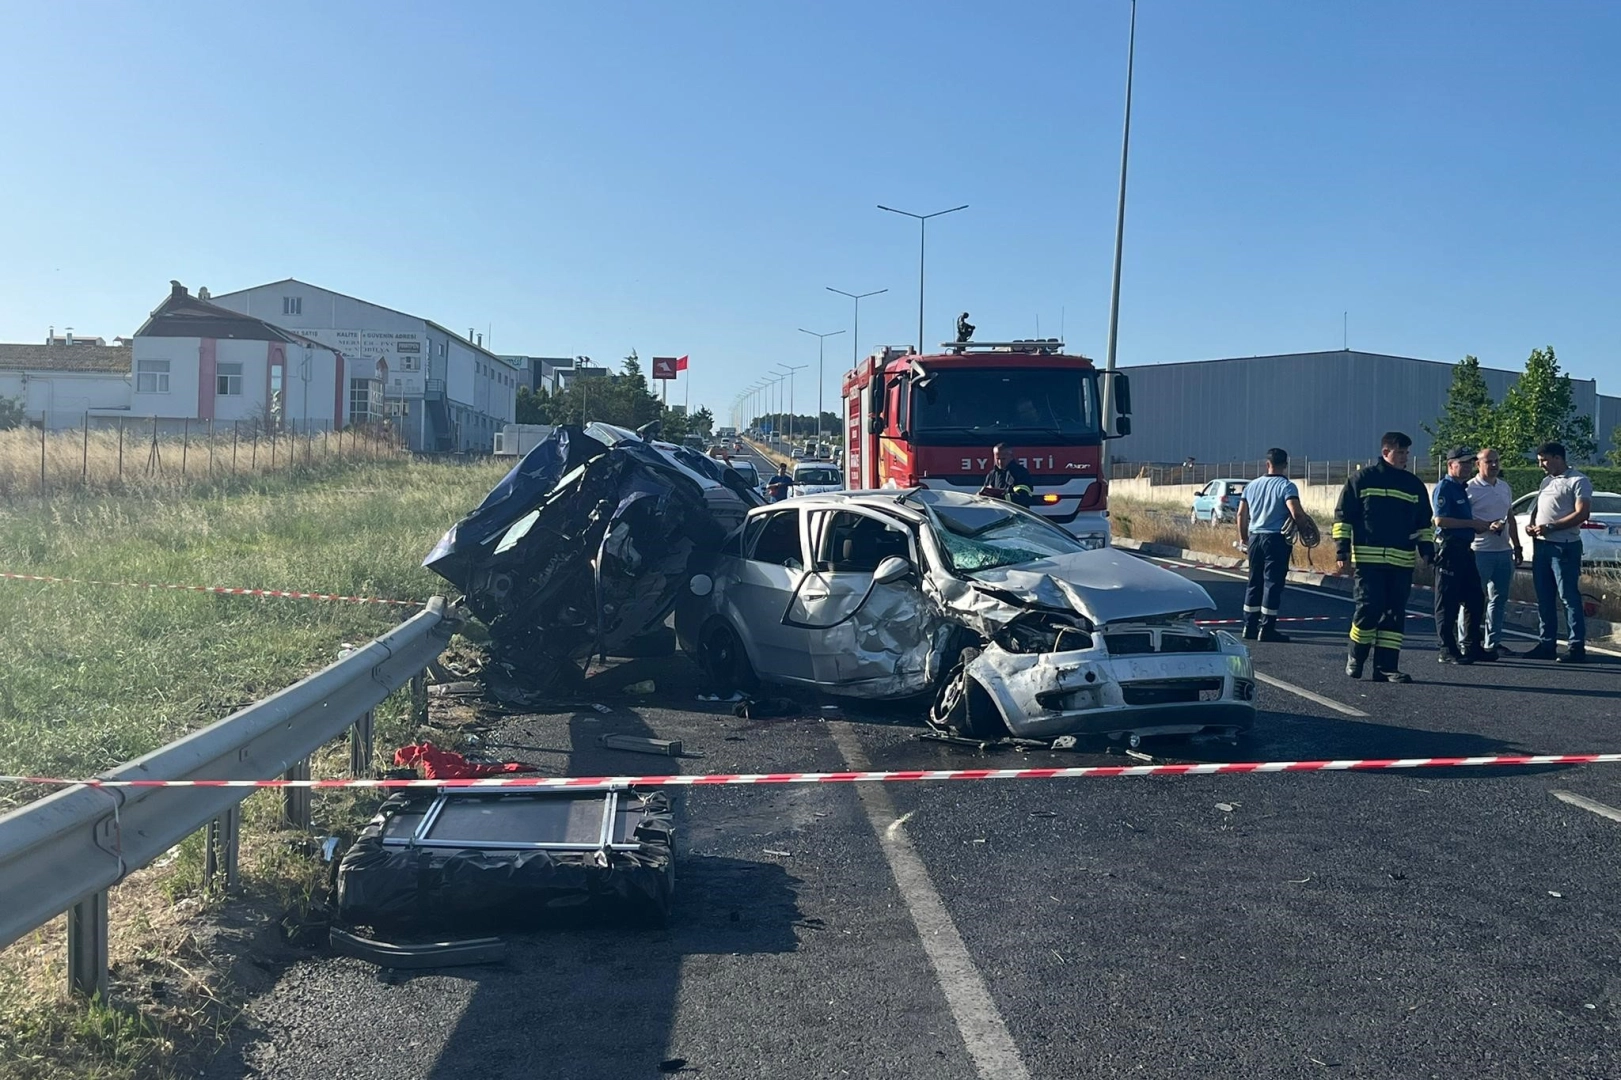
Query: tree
{"x":1469,"y":417}
{"x":1615,"y":442}
{"x":1541,"y":407}
{"x":12,"y":413}
{"x":533,"y":407}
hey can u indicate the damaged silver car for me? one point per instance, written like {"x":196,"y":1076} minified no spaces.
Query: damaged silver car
{"x":1006,"y":620}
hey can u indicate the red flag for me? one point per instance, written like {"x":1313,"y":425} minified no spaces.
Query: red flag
{"x":681,"y":363}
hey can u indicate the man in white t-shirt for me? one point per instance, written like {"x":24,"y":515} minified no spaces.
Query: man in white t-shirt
{"x":1564,"y":501}
{"x":1497,"y":550}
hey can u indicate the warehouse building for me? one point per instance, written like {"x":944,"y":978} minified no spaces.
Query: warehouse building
{"x":445,"y":392}
{"x":1320,"y":406}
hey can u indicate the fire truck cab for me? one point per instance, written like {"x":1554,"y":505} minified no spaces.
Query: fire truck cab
{"x":932,"y":421}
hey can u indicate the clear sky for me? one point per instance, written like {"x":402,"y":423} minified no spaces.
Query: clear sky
{"x":592,"y":178}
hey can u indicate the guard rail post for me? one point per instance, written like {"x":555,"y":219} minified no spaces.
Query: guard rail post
{"x":419,"y":697}
{"x":224,"y":833}
{"x":87,"y":947}
{"x":295,"y":803}
{"x":360,"y":745}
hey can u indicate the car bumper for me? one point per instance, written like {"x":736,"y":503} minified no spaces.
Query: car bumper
{"x":1089,"y":692}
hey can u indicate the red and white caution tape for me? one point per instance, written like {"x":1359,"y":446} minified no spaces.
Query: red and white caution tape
{"x":221,"y":590}
{"x":1083,"y":772}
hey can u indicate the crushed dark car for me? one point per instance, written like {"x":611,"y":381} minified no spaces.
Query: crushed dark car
{"x":582,"y":549}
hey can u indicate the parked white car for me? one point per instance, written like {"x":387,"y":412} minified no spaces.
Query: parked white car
{"x":1004,"y":617}
{"x":1601,"y":533}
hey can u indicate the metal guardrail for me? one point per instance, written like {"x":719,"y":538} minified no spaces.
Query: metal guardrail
{"x":63,"y":852}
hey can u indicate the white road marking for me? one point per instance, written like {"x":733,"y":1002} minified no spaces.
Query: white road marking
{"x":983,"y":1030}
{"x":1330,"y":595}
{"x":1326,"y":702}
{"x":1587,"y":804}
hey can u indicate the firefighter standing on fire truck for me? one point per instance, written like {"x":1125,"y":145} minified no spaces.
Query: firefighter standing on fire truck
{"x":1381,"y":528}
{"x":1009,"y":480}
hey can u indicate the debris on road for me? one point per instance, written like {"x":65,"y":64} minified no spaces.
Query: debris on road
{"x":483,"y":860}
{"x":640,"y":688}
{"x":778,"y":854}
{"x":638,"y":744}
{"x":581,"y":549}
{"x":438,"y":764}
{"x":1225,"y":807}
{"x":456,"y":689}
{"x":417,"y":956}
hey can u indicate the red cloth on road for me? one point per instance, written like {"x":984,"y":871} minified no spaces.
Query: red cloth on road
{"x":437,"y":764}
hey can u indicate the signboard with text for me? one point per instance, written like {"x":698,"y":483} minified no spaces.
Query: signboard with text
{"x":664,"y":367}
{"x":404,"y":353}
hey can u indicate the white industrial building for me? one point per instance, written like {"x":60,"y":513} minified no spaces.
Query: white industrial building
{"x":1319,"y":406}
{"x":58,"y":384}
{"x":446,"y":392}
{"x":198,"y":361}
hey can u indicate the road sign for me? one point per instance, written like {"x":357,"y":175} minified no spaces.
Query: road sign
{"x":664,"y":367}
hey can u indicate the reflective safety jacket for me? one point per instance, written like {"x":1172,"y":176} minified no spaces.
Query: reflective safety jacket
{"x":1383,"y":519}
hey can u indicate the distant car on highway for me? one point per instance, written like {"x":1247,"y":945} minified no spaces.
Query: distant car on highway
{"x":746,"y":469}
{"x":798,"y":453}
{"x":815,"y":477}
{"x":1601,"y":533}
{"x":1218,"y":501}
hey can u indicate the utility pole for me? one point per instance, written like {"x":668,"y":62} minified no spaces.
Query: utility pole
{"x":1119,"y":240}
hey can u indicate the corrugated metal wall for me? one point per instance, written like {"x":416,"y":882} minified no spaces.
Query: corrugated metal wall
{"x":1321,"y":406}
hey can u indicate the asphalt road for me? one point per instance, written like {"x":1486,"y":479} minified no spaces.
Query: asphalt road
{"x":1455,"y":923}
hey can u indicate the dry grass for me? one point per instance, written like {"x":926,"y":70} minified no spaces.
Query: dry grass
{"x":114,"y":462}
{"x":93,"y":675}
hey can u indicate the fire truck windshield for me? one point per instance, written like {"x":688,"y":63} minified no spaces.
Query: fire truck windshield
{"x":962,"y":407}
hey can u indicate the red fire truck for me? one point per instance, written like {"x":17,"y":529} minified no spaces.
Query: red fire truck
{"x":932,"y":421}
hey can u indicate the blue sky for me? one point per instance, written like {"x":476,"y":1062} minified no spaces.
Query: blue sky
{"x":592,"y":178}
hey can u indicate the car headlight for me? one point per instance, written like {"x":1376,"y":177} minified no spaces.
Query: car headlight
{"x":1092,"y":541}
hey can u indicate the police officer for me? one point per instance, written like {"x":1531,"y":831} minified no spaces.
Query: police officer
{"x":1381,"y":527}
{"x":1008,"y":480}
{"x":1457,"y":578}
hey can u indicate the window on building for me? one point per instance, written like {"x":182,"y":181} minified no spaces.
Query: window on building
{"x":228,"y":380}
{"x":292,"y":305}
{"x":152,"y":377}
{"x":360,"y":401}
{"x":441,"y":348}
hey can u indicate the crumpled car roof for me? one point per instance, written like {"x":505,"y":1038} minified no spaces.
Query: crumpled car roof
{"x":584,"y":544}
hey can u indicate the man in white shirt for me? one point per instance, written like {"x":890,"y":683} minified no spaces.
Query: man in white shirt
{"x":1497,"y":550}
{"x":1564,"y":501}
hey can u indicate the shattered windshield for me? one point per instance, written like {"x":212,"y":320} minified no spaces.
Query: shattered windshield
{"x":987,"y":535}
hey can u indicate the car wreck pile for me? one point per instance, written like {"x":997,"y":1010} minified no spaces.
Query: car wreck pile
{"x":582,"y":549}
{"x":1008,"y":623}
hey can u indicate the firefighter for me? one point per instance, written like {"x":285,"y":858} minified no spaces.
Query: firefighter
{"x":965,"y":329}
{"x":1381,"y":528}
{"x":1009,"y":480}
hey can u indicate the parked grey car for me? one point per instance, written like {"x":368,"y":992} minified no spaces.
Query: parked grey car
{"x":1007,"y":620}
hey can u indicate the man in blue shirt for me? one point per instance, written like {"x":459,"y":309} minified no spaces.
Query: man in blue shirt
{"x":1264,"y":508}
{"x":1457,"y":578}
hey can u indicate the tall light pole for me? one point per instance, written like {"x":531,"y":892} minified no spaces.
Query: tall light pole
{"x":855,"y":329}
{"x":1119,"y":239}
{"x":821,"y":379}
{"x":788,"y":373}
{"x":922,"y":236}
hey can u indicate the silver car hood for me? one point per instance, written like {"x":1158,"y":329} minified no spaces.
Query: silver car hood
{"x":1106,"y":586}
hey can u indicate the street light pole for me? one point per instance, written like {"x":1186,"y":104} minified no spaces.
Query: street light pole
{"x":821,"y":379}
{"x":788,"y":373}
{"x":922,"y":235}
{"x":1119,"y":240}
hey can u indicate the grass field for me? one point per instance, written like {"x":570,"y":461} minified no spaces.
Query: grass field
{"x":91,"y":676}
